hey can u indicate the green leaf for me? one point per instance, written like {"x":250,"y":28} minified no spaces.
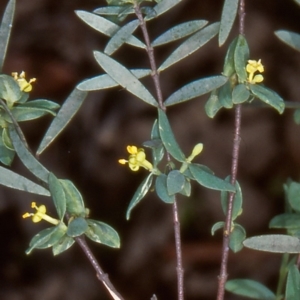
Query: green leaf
{"x":77,"y":227}
{"x":297,"y":1}
{"x":190,"y":45}
{"x":297,"y":116}
{"x":64,"y":244}
{"x":208,"y":180}
{"x":241,"y":57}
{"x":47,"y":237}
{"x":74,"y":201}
{"x":179,"y":31}
{"x":229,"y":66}
{"x":213,"y":105}
{"x":106,"y":27}
{"x":217,"y":226}
{"x":196,"y":89}
{"x":139,"y":194}
{"x":102,"y":233}
{"x":240,"y":94}
{"x":293,"y":284}
{"x":5,"y":29}
{"x":9,"y":90}
{"x":229,"y":13}
{"x":29,"y":161}
{"x":18,"y":182}
{"x":62,"y":119}
{"x":237,"y":201}
{"x":120,"y":37}
{"x":268,"y":96}
{"x":162,"y":7}
{"x":58,"y":195}
{"x":175,"y":182}
{"x":293,"y":195}
{"x":236,"y":238}
{"x":287,"y":221}
{"x":249,"y":288}
{"x":225,"y":95}
{"x":186,"y":190}
{"x":290,"y":38}
{"x":6,"y":155}
{"x":104,"y":81}
{"x":168,"y":138}
{"x":113,"y":10}
{"x":7,"y":140}
{"x":277,"y":243}
{"x":124,"y":78}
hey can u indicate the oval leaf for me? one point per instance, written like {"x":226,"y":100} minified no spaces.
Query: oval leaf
{"x":175,"y":182}
{"x":77,"y":227}
{"x":179,"y":31}
{"x":139,"y":194}
{"x":240,"y":94}
{"x":213,"y":105}
{"x":102,"y":233}
{"x":268,"y":96}
{"x":162,"y":7}
{"x":192,"y":44}
{"x":217,"y":226}
{"x":229,"y":13}
{"x":293,"y":284}
{"x":293,"y":195}
{"x":124,"y":77}
{"x":64,"y":244}
{"x":277,"y":243}
{"x":225,"y":95}
{"x":236,"y":238}
{"x":196,"y":89}
{"x":287,"y":221}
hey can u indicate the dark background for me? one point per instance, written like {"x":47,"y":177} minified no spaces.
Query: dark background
{"x":50,"y":43}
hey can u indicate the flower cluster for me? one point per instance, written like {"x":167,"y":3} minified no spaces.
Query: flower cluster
{"x":252,"y":67}
{"x":40,"y":215}
{"x":137,"y":159}
{"x":25,"y":85}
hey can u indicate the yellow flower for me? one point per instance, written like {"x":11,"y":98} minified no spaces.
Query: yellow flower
{"x":196,"y":151}
{"x":40,"y":215}
{"x":25,"y":86}
{"x":137,"y":159}
{"x":252,"y":67}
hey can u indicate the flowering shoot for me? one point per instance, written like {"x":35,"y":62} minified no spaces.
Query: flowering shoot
{"x":40,"y":215}
{"x":137,"y":159}
{"x":25,"y":86}
{"x":252,"y":67}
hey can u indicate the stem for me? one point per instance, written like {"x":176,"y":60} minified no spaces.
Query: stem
{"x":155,"y":77}
{"x":234,"y":167}
{"x":103,"y":277}
{"x":282,"y":276}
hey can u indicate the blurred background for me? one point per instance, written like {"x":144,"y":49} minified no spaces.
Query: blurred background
{"x":51,"y":43}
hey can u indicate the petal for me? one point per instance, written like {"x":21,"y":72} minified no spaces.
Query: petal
{"x":132,"y":149}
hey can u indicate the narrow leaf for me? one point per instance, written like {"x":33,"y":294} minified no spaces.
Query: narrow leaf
{"x":287,"y":221}
{"x":139,"y":194}
{"x":18,"y":182}
{"x":113,"y":10}
{"x":29,"y":161}
{"x":293,"y":195}
{"x":241,"y":56}
{"x":179,"y":31}
{"x":293,"y":284}
{"x":192,"y":44}
{"x":162,"y":7}
{"x":168,"y":138}
{"x":229,"y":67}
{"x":225,"y":95}
{"x":124,"y":77}
{"x":213,"y":105}
{"x":217,"y":226}
{"x":249,"y":288}
{"x":290,"y":38}
{"x":104,"y":81}
{"x":62,"y":119}
{"x":64,"y":244}
{"x":210,"y":181}
{"x":268,"y":96}
{"x":196,"y":89}
{"x":120,"y":37}
{"x":229,"y":13}
{"x":105,"y":26}
{"x":58,"y":195}
{"x":5,"y":29}
{"x":277,"y":243}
